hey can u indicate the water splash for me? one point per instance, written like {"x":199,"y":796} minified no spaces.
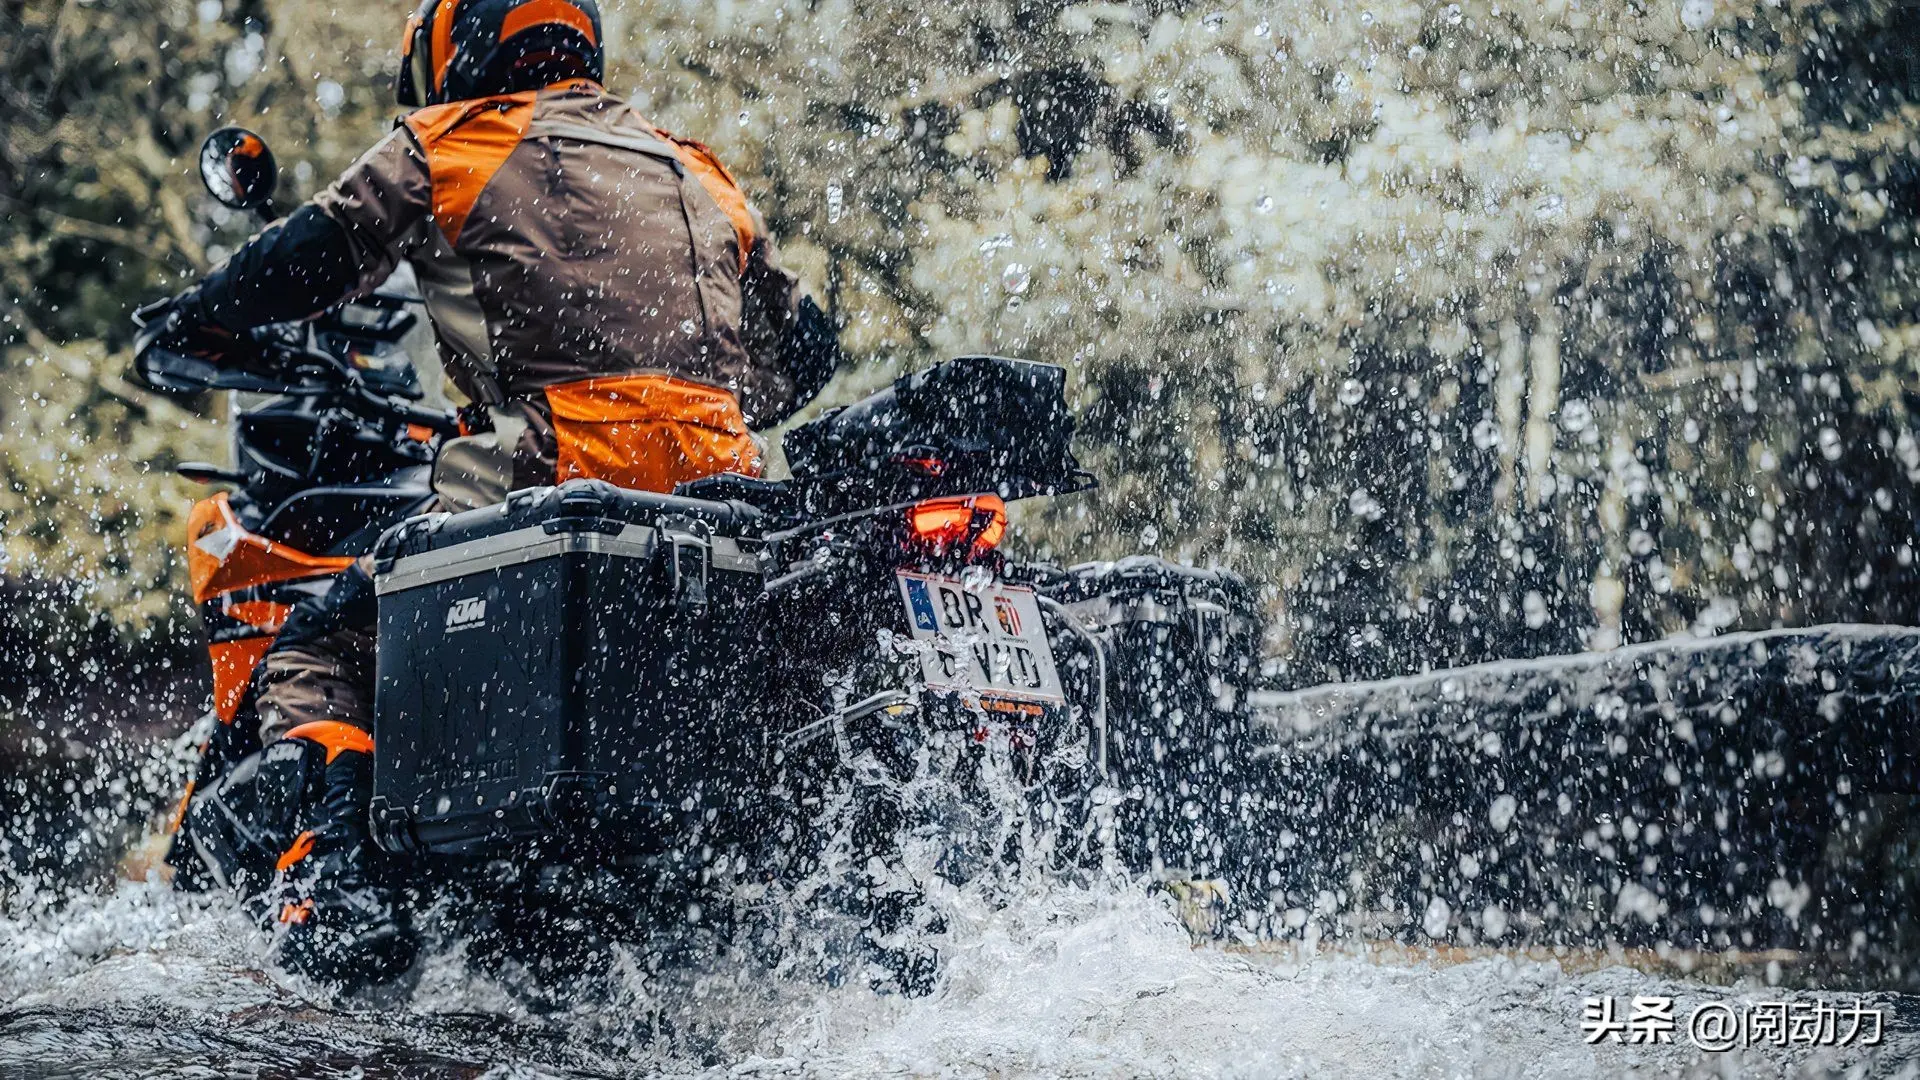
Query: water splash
{"x":1052,"y":961}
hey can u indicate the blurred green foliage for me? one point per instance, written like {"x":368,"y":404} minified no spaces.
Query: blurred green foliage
{"x":1469,"y":329}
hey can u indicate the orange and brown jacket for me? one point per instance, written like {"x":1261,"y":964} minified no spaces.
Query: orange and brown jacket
{"x":602,"y":287}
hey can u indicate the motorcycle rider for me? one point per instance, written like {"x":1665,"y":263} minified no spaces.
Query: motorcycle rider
{"x":604,"y":294}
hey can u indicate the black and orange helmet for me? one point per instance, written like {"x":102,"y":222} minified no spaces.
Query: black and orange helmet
{"x":460,"y":49}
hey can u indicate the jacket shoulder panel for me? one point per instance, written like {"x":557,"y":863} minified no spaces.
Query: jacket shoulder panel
{"x":723,"y":188}
{"x":466,"y":143}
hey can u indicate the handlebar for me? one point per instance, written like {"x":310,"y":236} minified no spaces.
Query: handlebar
{"x":344,"y":380}
{"x":284,"y":359}
{"x":279,"y":368}
{"x":382,"y":406}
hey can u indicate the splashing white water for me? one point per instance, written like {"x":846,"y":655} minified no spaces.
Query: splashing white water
{"x":1090,"y":973}
{"x":1097,"y":980}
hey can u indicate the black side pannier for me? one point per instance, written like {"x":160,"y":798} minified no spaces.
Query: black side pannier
{"x":548,"y":670}
{"x":1182,"y":649}
{"x":970,"y":424}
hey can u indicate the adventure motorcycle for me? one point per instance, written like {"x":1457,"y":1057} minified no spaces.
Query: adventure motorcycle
{"x":589,"y":694}
{"x":329,"y":448}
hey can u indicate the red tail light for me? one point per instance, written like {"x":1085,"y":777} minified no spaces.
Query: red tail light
{"x":945,"y":524}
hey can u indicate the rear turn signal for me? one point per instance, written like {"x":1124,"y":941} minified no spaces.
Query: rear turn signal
{"x":949,"y":524}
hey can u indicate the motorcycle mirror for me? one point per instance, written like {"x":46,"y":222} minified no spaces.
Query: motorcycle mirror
{"x":238,"y":169}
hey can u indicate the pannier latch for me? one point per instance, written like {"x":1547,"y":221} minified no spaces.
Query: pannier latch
{"x":392,"y":826}
{"x":688,"y":545}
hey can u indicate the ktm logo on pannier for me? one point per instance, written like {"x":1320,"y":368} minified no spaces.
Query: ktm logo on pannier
{"x":467,"y":614}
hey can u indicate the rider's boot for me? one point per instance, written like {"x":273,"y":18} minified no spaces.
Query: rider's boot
{"x":235,"y":827}
{"x":338,"y":911}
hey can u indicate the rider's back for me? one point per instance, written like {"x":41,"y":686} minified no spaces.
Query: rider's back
{"x":558,"y":235}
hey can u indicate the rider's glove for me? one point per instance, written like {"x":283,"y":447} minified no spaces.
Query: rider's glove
{"x":178,"y":325}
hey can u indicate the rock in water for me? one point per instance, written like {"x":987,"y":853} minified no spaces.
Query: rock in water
{"x":1747,"y":792}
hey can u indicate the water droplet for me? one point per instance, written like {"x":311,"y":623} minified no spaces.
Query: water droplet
{"x":1352,"y":391}
{"x":1264,"y":205}
{"x":1534,"y":606}
{"x":1016,"y":279}
{"x":1366,"y":18}
{"x":1364,"y":506}
{"x":836,"y":202}
{"x":996,"y":242}
{"x":1493,"y":922}
{"x":1500,"y":814}
{"x":1453,"y":15}
{"x":1262,"y":29}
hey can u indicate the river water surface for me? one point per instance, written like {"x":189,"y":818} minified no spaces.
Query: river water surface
{"x":113,"y":974}
{"x":1085,"y":980}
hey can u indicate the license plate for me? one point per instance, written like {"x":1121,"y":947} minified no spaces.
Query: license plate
{"x":987,"y":642}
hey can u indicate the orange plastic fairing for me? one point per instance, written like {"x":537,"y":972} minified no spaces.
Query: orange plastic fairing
{"x":945,"y":523}
{"x":301,"y":847}
{"x":268,"y":616}
{"x":180,"y":811}
{"x":222,"y":556}
{"x":233,"y":664}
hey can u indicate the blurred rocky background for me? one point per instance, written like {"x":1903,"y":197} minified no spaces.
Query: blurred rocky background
{"x":1468,"y":330}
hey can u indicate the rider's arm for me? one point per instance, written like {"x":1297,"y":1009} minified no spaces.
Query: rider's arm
{"x":342,"y":244}
{"x":794,"y":344}
{"x":291,"y":269}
